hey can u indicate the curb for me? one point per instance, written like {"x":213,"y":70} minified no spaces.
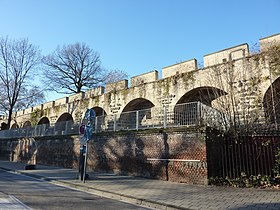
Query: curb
{"x":103,"y":193}
{"x":121,"y":197}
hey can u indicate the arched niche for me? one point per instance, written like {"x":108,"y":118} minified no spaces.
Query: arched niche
{"x":64,"y":124}
{"x":138,"y":104}
{"x":65,"y":117}
{"x":100,"y":121}
{"x":44,"y":120}
{"x":99,"y":111}
{"x":271,"y":103}
{"x":15,"y":125}
{"x":188,"y":111}
{"x":4,"y":126}
{"x":136,"y":113}
{"x":203,"y":94}
{"x":26,"y":124}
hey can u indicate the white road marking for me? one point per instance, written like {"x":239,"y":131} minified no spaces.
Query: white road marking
{"x":11,"y":202}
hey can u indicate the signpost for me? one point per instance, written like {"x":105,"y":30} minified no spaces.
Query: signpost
{"x":86,"y":132}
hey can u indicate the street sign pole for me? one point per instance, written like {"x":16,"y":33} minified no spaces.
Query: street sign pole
{"x":87,"y":131}
{"x":81,"y":163}
{"x":85,"y":163}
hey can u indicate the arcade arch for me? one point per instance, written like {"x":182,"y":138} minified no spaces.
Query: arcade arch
{"x":138,"y":104}
{"x":204,"y":94}
{"x":271,"y":102}
{"x":65,"y":117}
{"x":99,"y":111}
{"x":129,"y":115}
{"x":44,"y":120}
{"x":4,"y":126}
{"x":15,"y":125}
{"x":100,"y":117}
{"x":189,"y":114}
{"x":26,"y":124}
{"x":64,"y":123}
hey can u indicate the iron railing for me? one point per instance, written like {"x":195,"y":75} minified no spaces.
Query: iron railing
{"x":247,"y":155}
{"x":188,"y":114}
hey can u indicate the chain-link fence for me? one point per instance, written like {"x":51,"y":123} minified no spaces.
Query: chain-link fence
{"x":188,"y":114}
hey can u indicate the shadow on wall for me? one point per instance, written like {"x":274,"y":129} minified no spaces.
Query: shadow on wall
{"x":60,"y":151}
{"x":151,"y":155}
{"x":148,"y":155}
{"x":121,"y":155}
{"x":22,"y":150}
{"x":56,"y":152}
{"x":182,"y":158}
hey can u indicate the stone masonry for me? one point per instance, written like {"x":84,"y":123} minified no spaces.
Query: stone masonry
{"x":180,"y":83}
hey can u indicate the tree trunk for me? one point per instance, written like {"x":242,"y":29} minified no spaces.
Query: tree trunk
{"x":9,"y":118}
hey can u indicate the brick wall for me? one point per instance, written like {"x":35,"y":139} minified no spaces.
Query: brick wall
{"x":142,"y":153}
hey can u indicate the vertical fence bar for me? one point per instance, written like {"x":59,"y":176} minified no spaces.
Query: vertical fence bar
{"x":237,"y":157}
{"x":243,"y":156}
{"x":265,"y":159}
{"x":115,"y":122}
{"x":250,"y":162}
{"x":256,"y":158}
{"x":271,"y":159}
{"x":222,"y":158}
{"x":232,"y":165}
{"x":261,"y":161}
{"x":66,"y":127}
{"x":96,"y":121}
{"x":226,"y":156}
{"x":137,"y":120}
{"x":164,"y":117}
{"x":198,"y":113}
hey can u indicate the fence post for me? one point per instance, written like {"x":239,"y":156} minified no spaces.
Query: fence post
{"x":164,"y":117}
{"x":137,"y":120}
{"x":115,"y":122}
{"x":199,"y":120}
{"x":66,"y":128}
{"x":95,"y":130}
{"x":43,"y":131}
{"x":26,"y":131}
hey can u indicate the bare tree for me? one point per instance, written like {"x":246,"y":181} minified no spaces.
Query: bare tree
{"x":72,"y":69}
{"x":115,"y":76}
{"x":242,"y":81}
{"x":18,"y":62}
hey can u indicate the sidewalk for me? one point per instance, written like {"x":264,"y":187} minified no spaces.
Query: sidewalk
{"x":155,"y":193}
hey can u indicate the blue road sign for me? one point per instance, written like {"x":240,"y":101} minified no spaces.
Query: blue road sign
{"x":88,"y":132}
{"x":90,"y":114}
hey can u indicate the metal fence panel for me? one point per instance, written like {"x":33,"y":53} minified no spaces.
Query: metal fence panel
{"x":188,"y":114}
{"x":231,"y":157}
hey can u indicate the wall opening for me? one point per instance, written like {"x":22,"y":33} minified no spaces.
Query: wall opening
{"x":15,"y":125}
{"x":64,"y":124}
{"x":44,"y":120}
{"x":203,"y":94}
{"x":136,"y":110}
{"x":271,"y":103}
{"x":4,"y":126}
{"x":65,"y":117}
{"x":138,"y":104}
{"x":99,"y":111}
{"x":26,"y":124}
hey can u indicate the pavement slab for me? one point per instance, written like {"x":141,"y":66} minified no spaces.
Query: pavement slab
{"x":155,"y":193}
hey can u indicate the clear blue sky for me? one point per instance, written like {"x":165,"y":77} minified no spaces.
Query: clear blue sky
{"x":138,"y":36}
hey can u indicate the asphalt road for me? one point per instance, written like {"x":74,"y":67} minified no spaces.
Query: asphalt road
{"x":29,"y":193}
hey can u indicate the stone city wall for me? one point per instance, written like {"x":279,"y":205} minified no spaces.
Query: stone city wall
{"x":248,"y":76}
